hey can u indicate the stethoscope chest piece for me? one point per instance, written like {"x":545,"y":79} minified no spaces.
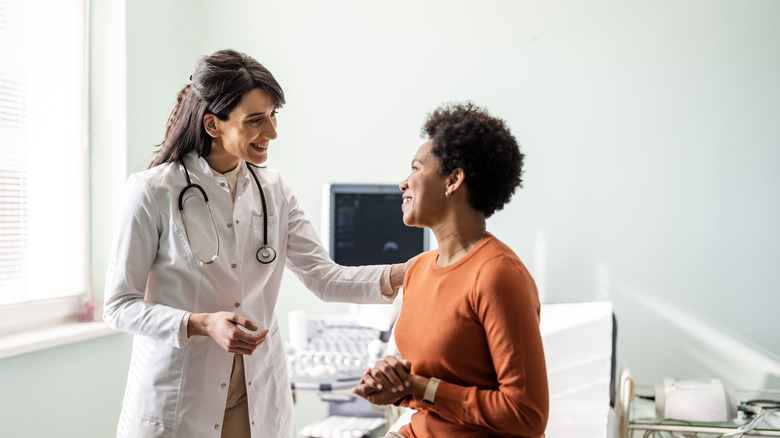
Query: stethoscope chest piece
{"x":266,"y":254}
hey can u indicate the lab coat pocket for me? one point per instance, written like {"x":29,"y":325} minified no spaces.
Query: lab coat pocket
{"x":281,"y":385}
{"x":158,"y":384}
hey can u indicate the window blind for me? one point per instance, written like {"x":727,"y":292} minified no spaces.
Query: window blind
{"x":43,"y":149}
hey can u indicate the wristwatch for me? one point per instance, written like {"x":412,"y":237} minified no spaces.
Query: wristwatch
{"x":430,"y":390}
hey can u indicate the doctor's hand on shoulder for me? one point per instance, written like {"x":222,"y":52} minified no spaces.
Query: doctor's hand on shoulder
{"x":225,"y":329}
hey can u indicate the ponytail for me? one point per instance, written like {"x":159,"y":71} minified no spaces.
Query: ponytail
{"x":173,"y":119}
{"x":183,"y":131}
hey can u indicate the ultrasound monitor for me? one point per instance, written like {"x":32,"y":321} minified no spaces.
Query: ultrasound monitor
{"x":364,"y":225}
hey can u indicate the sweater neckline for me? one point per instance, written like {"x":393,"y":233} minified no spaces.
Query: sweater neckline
{"x":435,"y":268}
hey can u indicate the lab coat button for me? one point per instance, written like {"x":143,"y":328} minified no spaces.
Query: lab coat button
{"x":222,"y":184}
{"x":216,"y":427}
{"x":238,"y":305}
{"x":237,"y":221}
{"x":230,"y":224}
{"x":233,"y":265}
{"x":224,"y":385}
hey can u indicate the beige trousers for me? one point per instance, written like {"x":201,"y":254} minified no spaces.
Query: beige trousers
{"x":236,"y":422}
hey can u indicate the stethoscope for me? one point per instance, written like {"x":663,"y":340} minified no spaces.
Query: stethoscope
{"x":264,"y":255}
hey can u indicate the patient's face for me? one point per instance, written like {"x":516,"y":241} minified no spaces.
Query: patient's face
{"x":423,"y":198}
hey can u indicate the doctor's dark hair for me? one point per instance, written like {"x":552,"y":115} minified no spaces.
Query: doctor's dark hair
{"x":466,"y":136}
{"x":217,"y":86}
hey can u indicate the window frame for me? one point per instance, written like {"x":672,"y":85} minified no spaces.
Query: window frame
{"x":32,"y":315}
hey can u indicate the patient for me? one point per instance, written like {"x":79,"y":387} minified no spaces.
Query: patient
{"x":468,"y":333}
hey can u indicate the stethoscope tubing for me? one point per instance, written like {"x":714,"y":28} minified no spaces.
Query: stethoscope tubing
{"x":264,"y":255}
{"x":190,"y":185}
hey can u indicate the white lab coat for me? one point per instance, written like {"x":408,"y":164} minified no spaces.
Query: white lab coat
{"x":177,"y":387}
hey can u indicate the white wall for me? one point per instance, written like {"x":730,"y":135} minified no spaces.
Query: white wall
{"x":650,"y":129}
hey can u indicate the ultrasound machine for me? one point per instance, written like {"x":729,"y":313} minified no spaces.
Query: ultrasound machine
{"x":362,"y":225}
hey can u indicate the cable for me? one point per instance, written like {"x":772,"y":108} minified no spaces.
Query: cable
{"x":662,"y":434}
{"x":745,"y":428}
{"x":759,"y":412}
{"x":764,"y":403}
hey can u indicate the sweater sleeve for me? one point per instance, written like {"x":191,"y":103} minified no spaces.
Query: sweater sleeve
{"x":506,"y":302}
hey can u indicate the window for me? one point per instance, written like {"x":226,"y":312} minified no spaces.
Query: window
{"x":43,"y":160}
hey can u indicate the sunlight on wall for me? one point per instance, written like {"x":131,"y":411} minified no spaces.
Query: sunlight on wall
{"x":730,"y":357}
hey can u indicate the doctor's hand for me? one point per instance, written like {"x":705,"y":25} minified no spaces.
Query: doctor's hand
{"x":223,"y":328}
{"x":398,"y":272}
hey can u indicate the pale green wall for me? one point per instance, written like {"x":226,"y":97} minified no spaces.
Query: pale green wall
{"x":162,"y":51}
{"x":649,"y":127}
{"x":73,"y":391}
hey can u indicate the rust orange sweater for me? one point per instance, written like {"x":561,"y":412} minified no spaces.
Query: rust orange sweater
{"x":475,"y":325}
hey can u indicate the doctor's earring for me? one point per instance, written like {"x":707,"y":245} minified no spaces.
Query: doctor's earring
{"x":447,"y":193}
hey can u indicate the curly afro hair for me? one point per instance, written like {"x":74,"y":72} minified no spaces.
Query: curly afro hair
{"x":466,"y":136}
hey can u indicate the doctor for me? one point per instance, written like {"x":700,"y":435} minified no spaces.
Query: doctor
{"x":197,"y":262}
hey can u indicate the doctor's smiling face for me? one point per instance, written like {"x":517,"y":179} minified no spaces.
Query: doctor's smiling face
{"x":246,"y":134}
{"x":423,"y":197}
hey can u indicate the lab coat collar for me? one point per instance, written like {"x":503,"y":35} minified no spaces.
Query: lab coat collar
{"x":199,"y":169}
{"x":197,"y":162}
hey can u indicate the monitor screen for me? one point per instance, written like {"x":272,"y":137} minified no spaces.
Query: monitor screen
{"x":366,"y":226}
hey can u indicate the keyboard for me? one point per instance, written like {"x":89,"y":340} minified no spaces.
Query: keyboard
{"x":337,"y":355}
{"x":341,"y":426}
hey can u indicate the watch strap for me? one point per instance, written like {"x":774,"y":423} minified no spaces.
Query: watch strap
{"x":430,"y":390}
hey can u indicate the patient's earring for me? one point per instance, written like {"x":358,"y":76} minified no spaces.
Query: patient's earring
{"x":447,"y":193}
